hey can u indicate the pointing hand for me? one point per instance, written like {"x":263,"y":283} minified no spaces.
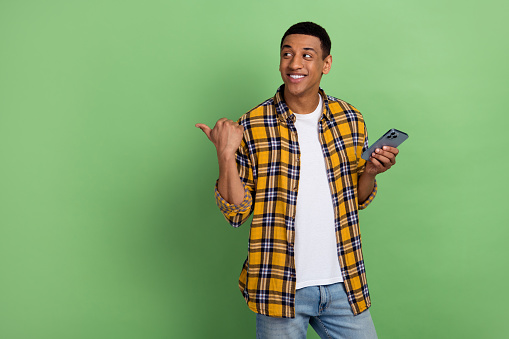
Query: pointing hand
{"x":226,"y":136}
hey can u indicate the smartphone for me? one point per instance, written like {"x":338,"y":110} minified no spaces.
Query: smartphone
{"x":392,"y":138}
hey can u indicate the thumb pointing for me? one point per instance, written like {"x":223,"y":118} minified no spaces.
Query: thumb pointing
{"x":206,"y":129}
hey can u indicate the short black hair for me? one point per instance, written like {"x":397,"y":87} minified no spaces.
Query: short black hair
{"x":310,"y":28}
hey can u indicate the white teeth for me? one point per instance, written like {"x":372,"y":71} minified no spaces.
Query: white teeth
{"x":296,"y":76}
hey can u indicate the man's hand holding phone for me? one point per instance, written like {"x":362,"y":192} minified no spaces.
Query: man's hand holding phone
{"x":381,"y":160}
{"x":382,"y":154}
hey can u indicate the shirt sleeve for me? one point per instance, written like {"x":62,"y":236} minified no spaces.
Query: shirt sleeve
{"x":369,"y":199}
{"x":231,"y":210}
{"x":238,"y":214}
{"x":360,"y":169}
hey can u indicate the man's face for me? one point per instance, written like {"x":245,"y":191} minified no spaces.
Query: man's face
{"x":301,"y":64}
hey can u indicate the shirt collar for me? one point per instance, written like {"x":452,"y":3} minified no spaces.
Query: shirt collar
{"x":283,"y":111}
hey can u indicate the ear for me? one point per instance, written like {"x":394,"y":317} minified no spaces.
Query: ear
{"x":327,"y":63}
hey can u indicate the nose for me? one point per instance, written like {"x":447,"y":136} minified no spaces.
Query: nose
{"x":295,"y":63}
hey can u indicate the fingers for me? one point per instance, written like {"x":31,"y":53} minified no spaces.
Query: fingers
{"x":385,"y":162}
{"x":392,"y":150}
{"x":383,"y":159}
{"x":220,"y":127}
{"x":379,"y":166}
{"x":230,"y":124}
{"x":223,"y":121}
{"x":387,"y":154}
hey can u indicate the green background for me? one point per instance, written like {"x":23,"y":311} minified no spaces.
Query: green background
{"x":108,"y":225}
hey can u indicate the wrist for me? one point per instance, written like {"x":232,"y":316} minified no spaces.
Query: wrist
{"x":224,"y":158}
{"x":368,"y":176}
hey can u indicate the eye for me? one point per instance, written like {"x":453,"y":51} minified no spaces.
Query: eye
{"x":307,"y":55}
{"x":286,"y":54}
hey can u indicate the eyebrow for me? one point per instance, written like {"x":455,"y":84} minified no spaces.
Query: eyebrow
{"x":305,"y":48}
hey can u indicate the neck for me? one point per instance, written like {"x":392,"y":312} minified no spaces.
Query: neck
{"x":303,"y":104}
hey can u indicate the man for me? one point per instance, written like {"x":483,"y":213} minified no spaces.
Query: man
{"x":295,"y":162}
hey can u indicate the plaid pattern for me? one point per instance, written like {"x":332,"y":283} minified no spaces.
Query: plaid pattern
{"x":268,"y":164}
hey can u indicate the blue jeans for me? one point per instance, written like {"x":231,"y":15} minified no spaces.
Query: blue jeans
{"x":326,"y":308}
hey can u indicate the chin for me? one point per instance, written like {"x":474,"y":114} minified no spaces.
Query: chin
{"x":293,"y":90}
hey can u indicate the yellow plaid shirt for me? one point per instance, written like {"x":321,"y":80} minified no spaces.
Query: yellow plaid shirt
{"x":268,"y":164}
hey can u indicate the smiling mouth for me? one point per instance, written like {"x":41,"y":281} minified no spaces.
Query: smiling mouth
{"x":296,"y":76}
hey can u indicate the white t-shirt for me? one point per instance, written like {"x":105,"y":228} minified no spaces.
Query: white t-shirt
{"x":316,"y":257}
